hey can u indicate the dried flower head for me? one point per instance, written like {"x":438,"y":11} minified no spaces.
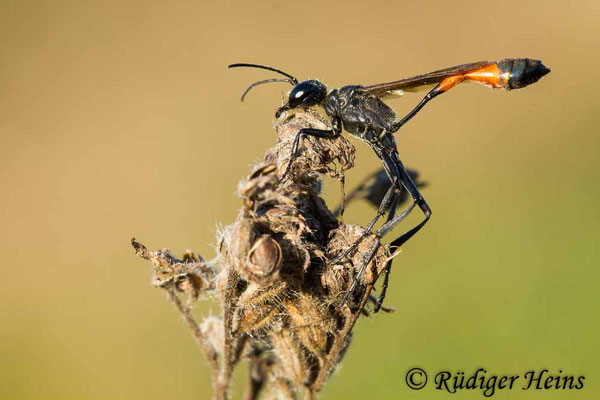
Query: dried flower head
{"x":275,"y":273}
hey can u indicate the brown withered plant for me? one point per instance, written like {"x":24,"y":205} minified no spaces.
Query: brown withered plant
{"x":280,"y":291}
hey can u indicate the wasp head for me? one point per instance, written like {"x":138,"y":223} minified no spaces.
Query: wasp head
{"x":305,"y":94}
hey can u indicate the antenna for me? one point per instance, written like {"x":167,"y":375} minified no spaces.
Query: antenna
{"x":291,"y":79}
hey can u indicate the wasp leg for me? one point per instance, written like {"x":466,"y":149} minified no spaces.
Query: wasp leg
{"x":395,"y":177}
{"x":379,"y":302}
{"x":418,"y":199}
{"x":436,"y":91}
{"x":393,"y":164}
{"x":380,"y":212}
{"x":392,"y":193}
{"x":321,"y":133}
{"x":393,"y":208}
{"x":358,"y":192}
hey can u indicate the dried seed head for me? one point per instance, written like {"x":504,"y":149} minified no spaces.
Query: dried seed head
{"x":289,"y":354}
{"x":278,"y":288}
{"x":190,"y":256}
{"x":265,"y":170}
{"x":311,"y":322}
{"x":261,"y":186}
{"x":236,"y":242}
{"x":250,"y":320}
{"x":191,"y":285}
{"x":190,"y":276}
{"x":317,"y":156}
{"x":338,"y":278}
{"x":255,"y":258}
{"x":255,"y":295}
{"x":264,"y":178}
{"x":258,"y":308}
{"x":264,"y":259}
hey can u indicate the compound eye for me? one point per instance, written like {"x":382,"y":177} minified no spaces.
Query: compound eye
{"x":298,"y":96}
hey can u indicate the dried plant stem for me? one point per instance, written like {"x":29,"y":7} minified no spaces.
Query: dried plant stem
{"x":186,"y":312}
{"x":278,"y":277}
{"x":227,"y":361}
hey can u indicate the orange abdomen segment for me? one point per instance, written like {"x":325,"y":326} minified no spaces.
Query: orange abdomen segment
{"x":510,"y":73}
{"x":490,"y":75}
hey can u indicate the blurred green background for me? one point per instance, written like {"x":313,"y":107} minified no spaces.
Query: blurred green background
{"x":120,"y":119}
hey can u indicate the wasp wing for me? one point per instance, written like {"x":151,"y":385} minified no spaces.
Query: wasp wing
{"x":396,"y":88}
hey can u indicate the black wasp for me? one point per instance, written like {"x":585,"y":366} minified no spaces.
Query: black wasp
{"x":360,"y":111}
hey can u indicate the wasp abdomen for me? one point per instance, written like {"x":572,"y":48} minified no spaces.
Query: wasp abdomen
{"x":522,"y":71}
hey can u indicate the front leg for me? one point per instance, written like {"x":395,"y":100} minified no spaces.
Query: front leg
{"x":321,"y":133}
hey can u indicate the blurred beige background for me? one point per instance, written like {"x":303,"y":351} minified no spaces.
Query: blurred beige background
{"x":120,"y":119}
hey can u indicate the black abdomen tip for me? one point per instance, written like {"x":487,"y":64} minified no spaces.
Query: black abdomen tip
{"x":523,"y":71}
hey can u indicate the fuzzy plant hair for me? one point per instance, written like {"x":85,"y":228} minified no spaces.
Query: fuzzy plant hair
{"x":283,"y":296}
